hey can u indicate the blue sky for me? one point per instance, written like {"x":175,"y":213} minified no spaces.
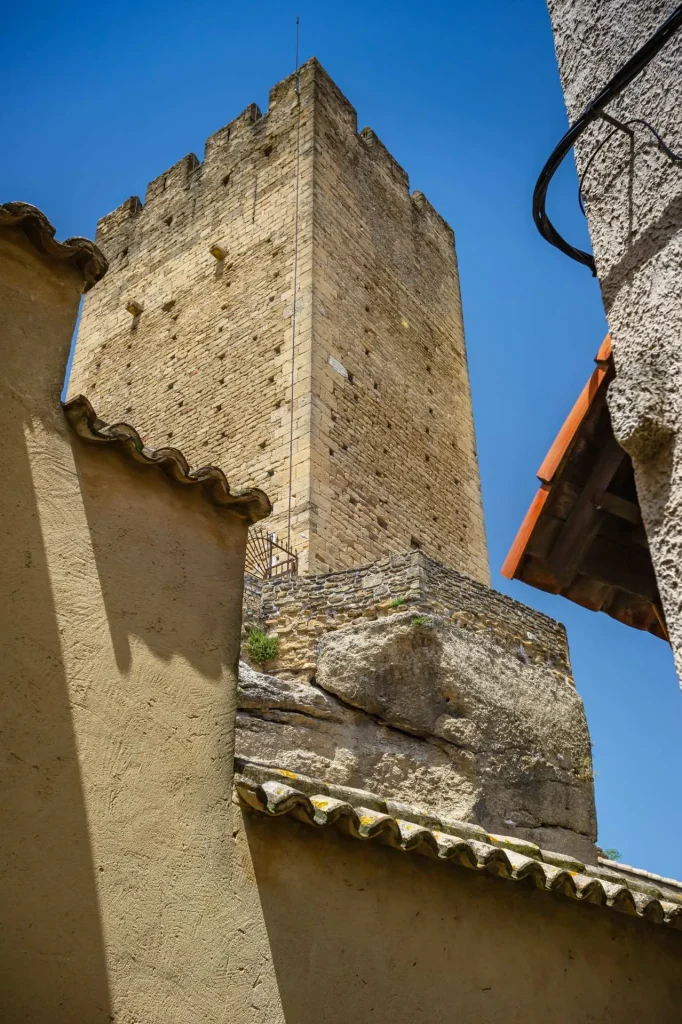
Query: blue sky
{"x":100,"y":99}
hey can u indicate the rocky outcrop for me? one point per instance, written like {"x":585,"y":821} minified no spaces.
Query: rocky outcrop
{"x":457,"y":721}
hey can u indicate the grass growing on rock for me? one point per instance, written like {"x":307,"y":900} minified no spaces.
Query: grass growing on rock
{"x":585,"y":771}
{"x":261,"y":647}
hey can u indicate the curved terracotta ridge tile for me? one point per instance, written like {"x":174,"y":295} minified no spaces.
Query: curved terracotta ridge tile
{"x":275,"y":798}
{"x":80,"y":252}
{"x":251,"y":504}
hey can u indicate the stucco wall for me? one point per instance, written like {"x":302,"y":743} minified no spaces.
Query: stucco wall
{"x":633,"y":197}
{"x":122,"y":599}
{"x":336,"y":930}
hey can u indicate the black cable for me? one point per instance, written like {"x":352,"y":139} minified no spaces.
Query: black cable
{"x":675,"y":157}
{"x":593,"y":110}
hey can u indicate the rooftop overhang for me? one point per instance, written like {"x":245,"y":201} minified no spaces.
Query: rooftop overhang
{"x":583,"y":536}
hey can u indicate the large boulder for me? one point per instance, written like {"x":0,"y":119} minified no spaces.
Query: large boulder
{"x":457,"y":721}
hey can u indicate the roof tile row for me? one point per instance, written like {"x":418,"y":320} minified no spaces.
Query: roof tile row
{"x":275,"y":792}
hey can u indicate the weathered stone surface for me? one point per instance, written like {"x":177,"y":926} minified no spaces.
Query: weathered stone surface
{"x":300,"y":609}
{"x":301,"y":728}
{"x":633,"y":200}
{"x":258,"y":691}
{"x":204,"y":362}
{"x":455,"y":720}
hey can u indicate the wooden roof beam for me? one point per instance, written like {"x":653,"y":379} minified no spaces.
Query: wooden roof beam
{"x":584,"y":520}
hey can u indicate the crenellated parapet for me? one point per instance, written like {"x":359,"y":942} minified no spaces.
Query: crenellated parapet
{"x":382,"y":158}
{"x":191,"y":333}
{"x":249,"y":136}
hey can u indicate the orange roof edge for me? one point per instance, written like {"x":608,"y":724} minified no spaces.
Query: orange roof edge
{"x":518,"y":548}
{"x":553,"y":458}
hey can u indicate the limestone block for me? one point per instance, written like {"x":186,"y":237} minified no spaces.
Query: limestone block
{"x":420,"y":709}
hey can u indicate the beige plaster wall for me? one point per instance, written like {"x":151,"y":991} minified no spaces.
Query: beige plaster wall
{"x":360,"y":932}
{"x":121,"y":596}
{"x":633,"y":198}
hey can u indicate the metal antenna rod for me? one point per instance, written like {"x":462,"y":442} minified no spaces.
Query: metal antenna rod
{"x":293,"y":312}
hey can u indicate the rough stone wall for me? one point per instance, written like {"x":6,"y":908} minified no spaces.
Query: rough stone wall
{"x":301,"y":609}
{"x":206,"y":366}
{"x":394,"y":429}
{"x":122,"y":602}
{"x":633,"y":199}
{"x":252,"y":600}
{"x":418,"y":683}
{"x":384,"y":452}
{"x":355,"y":931}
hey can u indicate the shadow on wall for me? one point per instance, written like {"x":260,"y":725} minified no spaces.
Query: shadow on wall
{"x":51,"y":945}
{"x":145,"y":530}
{"x":358,"y":932}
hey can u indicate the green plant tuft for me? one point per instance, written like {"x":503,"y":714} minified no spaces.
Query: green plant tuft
{"x":420,"y":620}
{"x":611,"y":853}
{"x":585,"y":770}
{"x":398,"y":602}
{"x":261,"y":646}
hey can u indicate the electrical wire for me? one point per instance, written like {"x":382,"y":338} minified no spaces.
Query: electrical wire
{"x":295,"y":286}
{"x":633,"y":67}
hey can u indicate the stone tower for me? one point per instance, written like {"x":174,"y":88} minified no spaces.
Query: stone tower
{"x":296,"y":245}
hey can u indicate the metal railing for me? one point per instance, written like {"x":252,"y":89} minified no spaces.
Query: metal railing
{"x":266,"y":558}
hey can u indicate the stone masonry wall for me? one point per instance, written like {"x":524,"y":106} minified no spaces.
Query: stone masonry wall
{"x":393,"y":428}
{"x":414,"y":682}
{"x":206,"y":365}
{"x":383,"y":444}
{"x":299,"y":610}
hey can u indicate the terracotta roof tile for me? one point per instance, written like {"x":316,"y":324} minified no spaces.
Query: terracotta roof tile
{"x":252,"y":504}
{"x":582,"y":536}
{"x":275,"y":793}
{"x":79,"y":252}
{"x":566,"y":435}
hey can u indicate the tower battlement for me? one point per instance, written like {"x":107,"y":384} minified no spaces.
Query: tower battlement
{"x":191,"y":180}
{"x":191,"y":332}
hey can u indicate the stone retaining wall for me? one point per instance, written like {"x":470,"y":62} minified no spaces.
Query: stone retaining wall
{"x":300,"y":609}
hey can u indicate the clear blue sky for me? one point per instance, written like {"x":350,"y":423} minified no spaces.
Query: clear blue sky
{"x":100,"y":99}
